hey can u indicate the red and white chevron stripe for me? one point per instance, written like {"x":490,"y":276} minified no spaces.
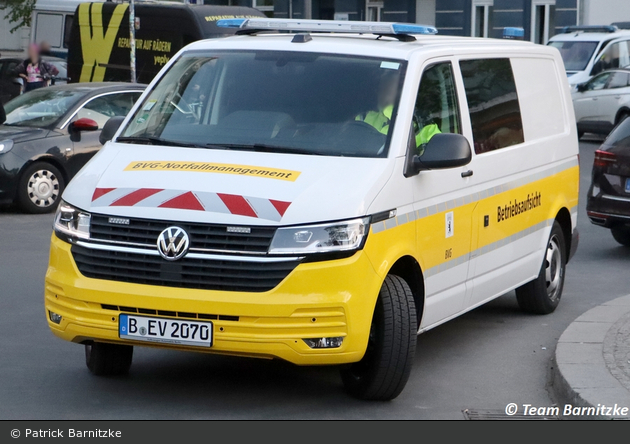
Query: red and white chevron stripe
{"x":257,"y":207}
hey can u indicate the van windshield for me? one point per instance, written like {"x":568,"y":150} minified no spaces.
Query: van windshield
{"x":575,"y":55}
{"x":276,"y":101}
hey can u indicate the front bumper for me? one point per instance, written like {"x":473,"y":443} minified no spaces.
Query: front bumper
{"x":10,"y":166}
{"x":319,"y":299}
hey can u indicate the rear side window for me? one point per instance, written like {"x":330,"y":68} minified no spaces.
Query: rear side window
{"x":620,"y":135}
{"x":619,"y":80}
{"x":493,"y":103}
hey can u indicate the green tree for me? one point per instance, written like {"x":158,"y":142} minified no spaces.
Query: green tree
{"x":18,"y":12}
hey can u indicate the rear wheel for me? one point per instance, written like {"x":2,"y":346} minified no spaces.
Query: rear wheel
{"x":40,"y":188}
{"x":108,"y":359}
{"x":385,"y":367}
{"x":542,"y":295}
{"x":622,"y":235}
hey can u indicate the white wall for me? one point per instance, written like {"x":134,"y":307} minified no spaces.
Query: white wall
{"x":11,"y":41}
{"x":604,"y":12}
{"x":425,"y":12}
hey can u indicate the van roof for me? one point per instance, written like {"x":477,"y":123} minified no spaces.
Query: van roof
{"x":583,"y":36}
{"x":60,"y":5}
{"x":368,"y":44}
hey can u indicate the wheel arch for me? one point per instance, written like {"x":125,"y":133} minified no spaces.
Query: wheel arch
{"x":564,"y":219}
{"x":408,"y":268}
{"x":46,"y":159}
{"x":624,"y":110}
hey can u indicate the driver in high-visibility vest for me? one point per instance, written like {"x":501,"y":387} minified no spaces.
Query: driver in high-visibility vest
{"x":380,"y":119}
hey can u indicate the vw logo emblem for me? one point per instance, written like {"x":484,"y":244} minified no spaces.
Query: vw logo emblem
{"x":173,"y":243}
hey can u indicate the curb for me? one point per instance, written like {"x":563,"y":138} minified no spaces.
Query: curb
{"x":585,"y":370}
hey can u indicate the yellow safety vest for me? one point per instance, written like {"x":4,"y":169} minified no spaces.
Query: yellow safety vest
{"x":380,"y":121}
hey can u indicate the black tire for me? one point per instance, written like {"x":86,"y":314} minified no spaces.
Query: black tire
{"x":621,"y":235}
{"x":40,"y":187}
{"x":108,"y":359}
{"x":621,"y":117}
{"x":542,"y":295}
{"x":384,"y":370}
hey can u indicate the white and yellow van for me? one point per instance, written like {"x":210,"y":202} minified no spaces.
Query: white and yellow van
{"x":320,"y":198}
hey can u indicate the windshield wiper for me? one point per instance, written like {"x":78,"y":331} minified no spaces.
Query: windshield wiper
{"x":260,"y":147}
{"x":148,"y":140}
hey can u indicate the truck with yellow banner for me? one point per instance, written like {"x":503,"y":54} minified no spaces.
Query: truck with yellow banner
{"x":99,"y":49}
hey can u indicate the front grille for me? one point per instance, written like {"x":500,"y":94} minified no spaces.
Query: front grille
{"x":172,"y":314}
{"x":204,"y":274}
{"x":202,"y":236}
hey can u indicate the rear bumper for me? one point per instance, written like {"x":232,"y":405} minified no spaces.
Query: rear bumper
{"x":321,"y":299}
{"x":608,"y":210}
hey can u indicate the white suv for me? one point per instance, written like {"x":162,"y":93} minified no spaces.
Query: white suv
{"x":589,"y":50}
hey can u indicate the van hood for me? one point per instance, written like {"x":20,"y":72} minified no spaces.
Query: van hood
{"x":226,"y":187}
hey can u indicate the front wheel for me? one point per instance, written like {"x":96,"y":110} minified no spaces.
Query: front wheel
{"x":542,"y":295}
{"x":384,"y":370}
{"x":40,"y":188}
{"x":108,"y":359}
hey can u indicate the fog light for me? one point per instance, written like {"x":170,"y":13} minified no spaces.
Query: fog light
{"x":324,"y":342}
{"x":54,"y":317}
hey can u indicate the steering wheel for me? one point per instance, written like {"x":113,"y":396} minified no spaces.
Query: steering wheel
{"x":358,"y":124}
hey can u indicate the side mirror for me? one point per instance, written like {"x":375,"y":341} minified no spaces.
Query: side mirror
{"x":110,"y":128}
{"x":443,"y":151}
{"x":83,"y":124}
{"x":3,"y":114}
{"x":581,"y":87}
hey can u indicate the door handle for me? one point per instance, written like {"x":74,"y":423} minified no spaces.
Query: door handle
{"x":617,"y":97}
{"x":467,"y":173}
{"x":594,"y":99}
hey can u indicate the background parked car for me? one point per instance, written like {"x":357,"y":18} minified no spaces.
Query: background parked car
{"x":589,"y":50}
{"x":602,"y":102}
{"x":50,"y":133}
{"x":608,"y":202}
{"x":11,"y":85}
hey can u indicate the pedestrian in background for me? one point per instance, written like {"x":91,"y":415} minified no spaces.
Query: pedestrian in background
{"x":34,"y":70}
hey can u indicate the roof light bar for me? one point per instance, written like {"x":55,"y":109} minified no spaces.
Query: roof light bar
{"x":343,"y":26}
{"x":588,"y":28}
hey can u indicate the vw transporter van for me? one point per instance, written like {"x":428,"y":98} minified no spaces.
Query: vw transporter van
{"x":321,"y":198}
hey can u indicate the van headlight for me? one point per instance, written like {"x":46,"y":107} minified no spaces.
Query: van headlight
{"x":322,"y":238}
{"x":71,"y":223}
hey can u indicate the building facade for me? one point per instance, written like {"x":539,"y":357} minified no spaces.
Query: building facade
{"x":540,"y":19}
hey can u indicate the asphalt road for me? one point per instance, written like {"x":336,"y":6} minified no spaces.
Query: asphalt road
{"x":483,"y":360}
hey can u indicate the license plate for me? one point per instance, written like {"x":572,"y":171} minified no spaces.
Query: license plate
{"x":164,"y":330}
{"x":627,"y":185}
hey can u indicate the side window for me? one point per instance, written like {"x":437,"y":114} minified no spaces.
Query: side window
{"x":616,"y":55}
{"x":436,"y":109}
{"x":49,"y":29}
{"x":111,"y":105}
{"x":493,"y":103}
{"x":598,"y":82}
{"x":619,"y":80}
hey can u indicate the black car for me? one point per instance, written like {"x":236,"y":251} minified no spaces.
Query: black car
{"x":608,"y":202}
{"x":11,"y":85}
{"x":50,"y":133}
